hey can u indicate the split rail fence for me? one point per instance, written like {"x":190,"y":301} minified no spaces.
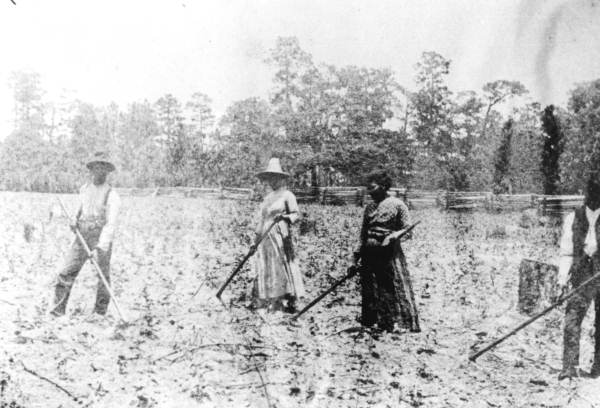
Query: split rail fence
{"x":415,"y":199}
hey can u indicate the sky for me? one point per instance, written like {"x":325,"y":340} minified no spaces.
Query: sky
{"x":131,"y":50}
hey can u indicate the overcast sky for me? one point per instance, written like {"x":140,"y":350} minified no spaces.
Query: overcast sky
{"x":130,"y":50}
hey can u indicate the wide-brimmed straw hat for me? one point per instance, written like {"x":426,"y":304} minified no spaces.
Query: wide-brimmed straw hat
{"x":100,"y":158}
{"x":273,"y":169}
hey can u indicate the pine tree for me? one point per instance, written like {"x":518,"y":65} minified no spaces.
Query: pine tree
{"x":502,"y":162}
{"x":553,"y":145}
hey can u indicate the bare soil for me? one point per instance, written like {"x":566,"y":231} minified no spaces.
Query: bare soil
{"x":181,"y":347}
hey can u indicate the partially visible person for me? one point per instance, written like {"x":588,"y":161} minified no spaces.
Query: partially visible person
{"x":387,"y":293}
{"x":96,"y":219}
{"x":580,"y":260}
{"x":278,"y":282}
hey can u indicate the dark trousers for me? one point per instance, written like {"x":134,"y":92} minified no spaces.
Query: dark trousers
{"x":576,"y":309}
{"x":74,"y":261}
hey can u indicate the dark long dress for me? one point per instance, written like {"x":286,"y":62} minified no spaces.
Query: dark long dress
{"x":387,"y":293}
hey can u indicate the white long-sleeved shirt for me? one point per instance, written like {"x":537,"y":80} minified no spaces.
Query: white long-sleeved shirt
{"x":91,"y":199}
{"x":590,"y":245}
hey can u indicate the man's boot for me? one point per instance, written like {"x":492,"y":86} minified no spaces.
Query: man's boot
{"x":102,"y":300}
{"x":61,"y":297}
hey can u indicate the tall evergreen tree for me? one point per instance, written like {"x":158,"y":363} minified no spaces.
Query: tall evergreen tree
{"x":502,"y":163}
{"x":553,"y":145}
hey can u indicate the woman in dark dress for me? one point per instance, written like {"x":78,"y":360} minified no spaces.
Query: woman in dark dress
{"x":387,"y":294}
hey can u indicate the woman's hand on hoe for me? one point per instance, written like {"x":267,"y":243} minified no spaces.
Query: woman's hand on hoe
{"x":390,"y":238}
{"x":284,"y":217}
{"x":355,"y":258}
{"x":394,"y":236}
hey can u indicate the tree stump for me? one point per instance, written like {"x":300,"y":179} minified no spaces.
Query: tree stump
{"x":537,"y":286}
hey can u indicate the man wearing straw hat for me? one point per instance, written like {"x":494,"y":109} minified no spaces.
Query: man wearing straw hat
{"x":96,"y":219}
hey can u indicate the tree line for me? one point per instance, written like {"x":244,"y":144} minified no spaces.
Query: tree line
{"x":329,"y":125}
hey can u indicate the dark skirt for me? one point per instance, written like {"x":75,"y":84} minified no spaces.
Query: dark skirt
{"x":387,"y":293}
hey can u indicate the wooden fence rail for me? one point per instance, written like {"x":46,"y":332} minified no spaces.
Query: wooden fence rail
{"x":466,"y":200}
{"x":514,"y":202}
{"x":415,"y":199}
{"x":558,"y":205}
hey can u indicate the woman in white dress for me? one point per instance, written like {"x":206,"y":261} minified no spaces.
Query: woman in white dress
{"x":278,"y":282}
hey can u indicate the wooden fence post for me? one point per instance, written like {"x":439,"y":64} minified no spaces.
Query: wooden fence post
{"x":543,"y":203}
{"x":360,"y":197}
{"x":314,"y":194}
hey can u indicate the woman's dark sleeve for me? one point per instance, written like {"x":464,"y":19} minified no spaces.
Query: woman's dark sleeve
{"x":363,"y":231}
{"x":403,"y":218}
